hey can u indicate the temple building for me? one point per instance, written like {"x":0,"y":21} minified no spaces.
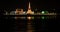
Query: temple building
{"x":20,"y":11}
{"x":29,"y":10}
{"x":17,"y":12}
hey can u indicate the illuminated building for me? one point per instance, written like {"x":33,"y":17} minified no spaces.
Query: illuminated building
{"x":29,"y":10}
{"x":20,"y":11}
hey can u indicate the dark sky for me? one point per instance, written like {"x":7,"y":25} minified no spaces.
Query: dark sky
{"x":41,"y":4}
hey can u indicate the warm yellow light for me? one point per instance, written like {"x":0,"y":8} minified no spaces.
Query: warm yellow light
{"x":29,"y":17}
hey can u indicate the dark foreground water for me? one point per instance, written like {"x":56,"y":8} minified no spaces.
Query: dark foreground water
{"x":33,"y":25}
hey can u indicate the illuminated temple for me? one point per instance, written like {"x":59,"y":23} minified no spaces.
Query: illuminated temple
{"x":21,"y":12}
{"x":29,"y":10}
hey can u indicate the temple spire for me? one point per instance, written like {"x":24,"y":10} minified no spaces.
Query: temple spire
{"x":29,"y":6}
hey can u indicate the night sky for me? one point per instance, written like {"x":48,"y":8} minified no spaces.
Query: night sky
{"x":40,"y":4}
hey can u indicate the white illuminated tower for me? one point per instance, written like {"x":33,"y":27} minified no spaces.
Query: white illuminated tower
{"x":29,"y":9}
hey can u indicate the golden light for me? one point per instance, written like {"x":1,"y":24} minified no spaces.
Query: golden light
{"x":29,"y":17}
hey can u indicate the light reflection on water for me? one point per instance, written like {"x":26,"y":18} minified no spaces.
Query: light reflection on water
{"x":34,"y":17}
{"x":36,"y":24}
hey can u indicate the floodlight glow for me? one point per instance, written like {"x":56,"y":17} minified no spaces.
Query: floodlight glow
{"x":43,"y":12}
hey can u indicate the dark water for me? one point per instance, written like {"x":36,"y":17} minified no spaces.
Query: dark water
{"x":38,"y":24}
